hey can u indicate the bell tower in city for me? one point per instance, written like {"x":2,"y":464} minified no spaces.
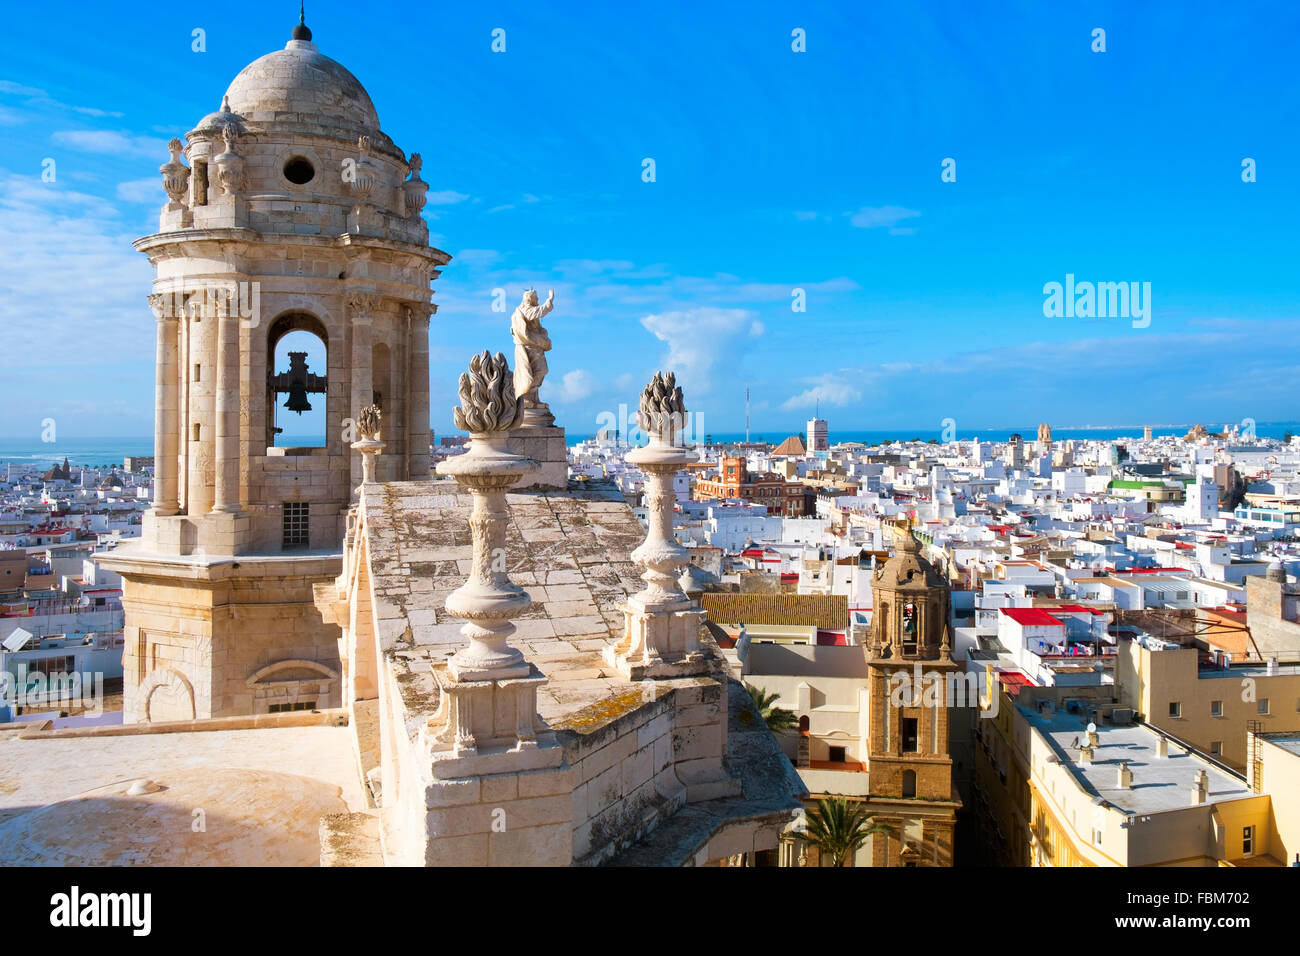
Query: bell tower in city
{"x":295,"y":219}
{"x":909,"y":659}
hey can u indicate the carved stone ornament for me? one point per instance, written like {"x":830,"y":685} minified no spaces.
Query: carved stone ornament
{"x":488,"y":599}
{"x":661,"y":633}
{"x":487,"y":396}
{"x":175,"y":174}
{"x":230,"y":165}
{"x":365,"y":176}
{"x":415,"y":188}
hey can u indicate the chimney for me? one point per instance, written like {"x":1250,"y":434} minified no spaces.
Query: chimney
{"x":1125,"y":776}
{"x":1200,"y":789}
{"x":1085,"y":753}
{"x":1162,"y":746}
{"x":1092,"y":738}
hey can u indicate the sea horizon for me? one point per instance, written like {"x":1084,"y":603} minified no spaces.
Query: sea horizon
{"x":108,"y":451}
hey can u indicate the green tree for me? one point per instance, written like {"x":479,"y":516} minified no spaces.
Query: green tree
{"x":778,"y":719}
{"x":839,"y":828}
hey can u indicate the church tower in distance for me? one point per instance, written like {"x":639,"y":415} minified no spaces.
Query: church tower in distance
{"x":909,"y":658}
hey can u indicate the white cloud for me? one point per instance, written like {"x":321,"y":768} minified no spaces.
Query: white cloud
{"x":828,"y":391}
{"x":698,"y":338}
{"x":39,"y":98}
{"x":577,"y":385}
{"x":72,"y":301}
{"x":142,"y":191}
{"x":872,"y":217}
{"x":110,"y":141}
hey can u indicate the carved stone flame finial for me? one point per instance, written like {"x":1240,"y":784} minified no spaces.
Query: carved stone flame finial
{"x":663,"y":409}
{"x":368,"y":421}
{"x":487,"y":396}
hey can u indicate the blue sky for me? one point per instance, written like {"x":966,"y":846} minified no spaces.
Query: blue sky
{"x":775,"y":171}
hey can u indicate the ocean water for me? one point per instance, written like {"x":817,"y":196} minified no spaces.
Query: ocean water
{"x":1029,"y":433}
{"x":109,"y":451}
{"x":87,"y":452}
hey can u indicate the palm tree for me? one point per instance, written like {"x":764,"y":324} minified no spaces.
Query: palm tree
{"x":839,"y":828}
{"x":778,"y":719}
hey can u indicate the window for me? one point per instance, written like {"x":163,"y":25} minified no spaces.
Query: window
{"x":1096,"y":836}
{"x":836,"y":755}
{"x":295,"y":524}
{"x":1216,"y":708}
{"x":198,"y":373}
{"x":197,"y":432}
{"x":909,"y":783}
{"x":1247,"y":841}
{"x":1262,"y":707}
{"x":299,"y":171}
{"x":1216,"y":747}
{"x":1175,"y":708}
{"x":909,"y":734}
{"x":286,"y":708}
{"x":51,"y":665}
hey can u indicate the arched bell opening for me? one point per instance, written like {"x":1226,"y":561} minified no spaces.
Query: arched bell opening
{"x":297,"y":385}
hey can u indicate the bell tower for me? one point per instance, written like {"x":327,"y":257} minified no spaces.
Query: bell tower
{"x":295,"y":216}
{"x":909,"y":659}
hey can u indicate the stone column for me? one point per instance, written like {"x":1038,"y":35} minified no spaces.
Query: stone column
{"x":661,"y":634}
{"x":203,"y":349}
{"x":418,"y":456}
{"x":489,"y":694}
{"x":362,"y":308}
{"x":166,"y":398}
{"x":226,"y":413}
{"x":487,"y":739}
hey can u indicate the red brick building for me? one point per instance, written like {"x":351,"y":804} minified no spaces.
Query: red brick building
{"x":786,"y":498}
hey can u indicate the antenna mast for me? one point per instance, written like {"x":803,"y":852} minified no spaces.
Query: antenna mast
{"x":746,"y":414}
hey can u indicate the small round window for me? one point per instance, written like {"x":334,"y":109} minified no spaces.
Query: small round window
{"x":299,"y":171}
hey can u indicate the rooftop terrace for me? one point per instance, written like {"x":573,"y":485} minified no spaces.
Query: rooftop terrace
{"x":1159,"y":783}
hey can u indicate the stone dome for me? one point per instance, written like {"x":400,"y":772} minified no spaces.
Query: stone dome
{"x":302,"y":82}
{"x":907,"y":569}
{"x":214,"y":122}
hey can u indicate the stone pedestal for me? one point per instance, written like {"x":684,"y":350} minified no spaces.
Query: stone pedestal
{"x":490,"y":726}
{"x":500,"y":792}
{"x":659,"y":640}
{"x":545,"y":445}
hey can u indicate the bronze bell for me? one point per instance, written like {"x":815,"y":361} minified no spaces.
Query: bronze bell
{"x":297,"y":401}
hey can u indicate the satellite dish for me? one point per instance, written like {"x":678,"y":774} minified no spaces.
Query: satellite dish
{"x":1092,"y":728}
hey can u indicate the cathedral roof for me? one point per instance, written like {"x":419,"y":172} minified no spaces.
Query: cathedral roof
{"x":301,"y":81}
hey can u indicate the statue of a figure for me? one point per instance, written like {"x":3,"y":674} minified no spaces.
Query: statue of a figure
{"x":531,"y":345}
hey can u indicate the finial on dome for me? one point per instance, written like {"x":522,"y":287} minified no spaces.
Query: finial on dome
{"x":301,"y":31}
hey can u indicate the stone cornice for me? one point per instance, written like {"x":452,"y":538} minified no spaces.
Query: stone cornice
{"x":162,"y":245}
